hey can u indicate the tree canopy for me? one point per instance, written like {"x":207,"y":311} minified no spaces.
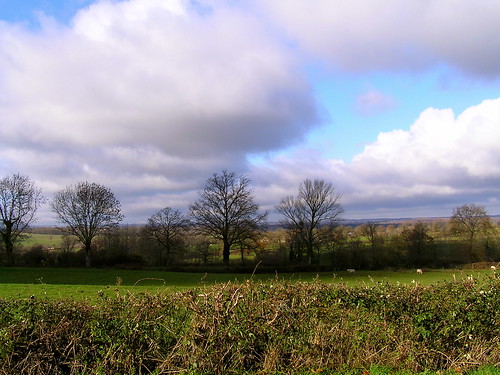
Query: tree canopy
{"x":166,"y":227}
{"x":86,"y":210}
{"x":470,"y":220}
{"x":226,"y":210}
{"x":19,"y":202}
{"x":316,"y":204}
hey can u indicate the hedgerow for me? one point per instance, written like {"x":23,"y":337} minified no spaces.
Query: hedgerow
{"x":250,"y":327}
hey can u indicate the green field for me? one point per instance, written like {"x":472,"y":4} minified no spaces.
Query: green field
{"x":46,"y":240}
{"x":79,"y":283}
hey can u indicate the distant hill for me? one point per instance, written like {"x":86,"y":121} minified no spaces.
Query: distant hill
{"x":387,"y":221}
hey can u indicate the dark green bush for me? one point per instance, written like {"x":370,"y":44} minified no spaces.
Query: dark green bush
{"x":36,"y":256}
{"x":257,"y":328}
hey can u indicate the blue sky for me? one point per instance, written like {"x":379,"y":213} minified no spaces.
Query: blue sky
{"x":351,"y":129}
{"x":150,"y":97}
{"x":26,"y":11}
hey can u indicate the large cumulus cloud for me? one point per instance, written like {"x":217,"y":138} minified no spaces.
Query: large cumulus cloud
{"x":146,"y":95}
{"x":443,"y":160}
{"x":154,"y":73}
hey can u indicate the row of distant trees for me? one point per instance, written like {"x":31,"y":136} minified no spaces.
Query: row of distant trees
{"x":469,"y":236}
{"x":410,"y":244}
{"x":225,"y":212}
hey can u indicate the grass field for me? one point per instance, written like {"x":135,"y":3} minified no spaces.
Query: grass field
{"x":47,"y":240}
{"x":87,"y":283}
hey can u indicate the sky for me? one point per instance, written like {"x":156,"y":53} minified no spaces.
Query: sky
{"x":396,"y":103}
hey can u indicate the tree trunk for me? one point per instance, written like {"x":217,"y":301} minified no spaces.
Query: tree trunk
{"x":310,"y":246}
{"x":225,"y":252}
{"x":9,"y":249}
{"x":168,"y":250}
{"x":160,"y":253}
{"x":167,"y":255}
{"x":470,"y":250}
{"x":88,"y":262}
{"x":9,"y":244}
{"x":310,"y":253}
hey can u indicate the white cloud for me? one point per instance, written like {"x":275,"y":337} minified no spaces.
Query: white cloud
{"x":442,"y":161}
{"x":393,"y":34}
{"x":438,"y":141}
{"x":184,"y":82}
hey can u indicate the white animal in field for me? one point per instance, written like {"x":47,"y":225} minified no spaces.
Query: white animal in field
{"x":493,"y":268}
{"x":351,"y":270}
{"x":420,"y":272}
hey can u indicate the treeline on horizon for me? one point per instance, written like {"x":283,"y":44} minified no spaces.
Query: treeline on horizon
{"x":225,"y":230}
{"x":412,"y":244}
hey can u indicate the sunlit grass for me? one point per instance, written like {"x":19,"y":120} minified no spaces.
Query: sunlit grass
{"x":46,"y":240}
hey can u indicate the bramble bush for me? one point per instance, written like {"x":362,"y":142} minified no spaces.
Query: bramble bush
{"x":253,"y":327}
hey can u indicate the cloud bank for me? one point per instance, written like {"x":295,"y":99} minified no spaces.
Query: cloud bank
{"x":145,"y":93}
{"x":411,"y":35}
{"x":151,"y":97}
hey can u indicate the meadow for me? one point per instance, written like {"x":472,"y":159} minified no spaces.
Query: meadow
{"x":43,"y":239}
{"x":81,"y":283}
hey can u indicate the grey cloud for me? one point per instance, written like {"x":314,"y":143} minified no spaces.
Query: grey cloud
{"x":394,"y":35}
{"x":148,"y":97}
{"x":184,"y":83}
{"x":151,"y":97}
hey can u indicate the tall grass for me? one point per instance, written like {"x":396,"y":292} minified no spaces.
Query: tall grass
{"x":255,"y":327}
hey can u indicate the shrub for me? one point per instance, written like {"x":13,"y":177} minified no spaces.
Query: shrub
{"x":37,"y":256}
{"x":256,"y":327}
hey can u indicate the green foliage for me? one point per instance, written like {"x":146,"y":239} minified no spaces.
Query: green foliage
{"x":254,"y":327}
{"x":405,"y":245}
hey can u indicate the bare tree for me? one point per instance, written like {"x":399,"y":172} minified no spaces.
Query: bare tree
{"x":316,"y":204}
{"x":166,"y":227}
{"x":87,"y":210}
{"x":226,"y":210}
{"x":19,"y":201}
{"x":469,"y":221}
